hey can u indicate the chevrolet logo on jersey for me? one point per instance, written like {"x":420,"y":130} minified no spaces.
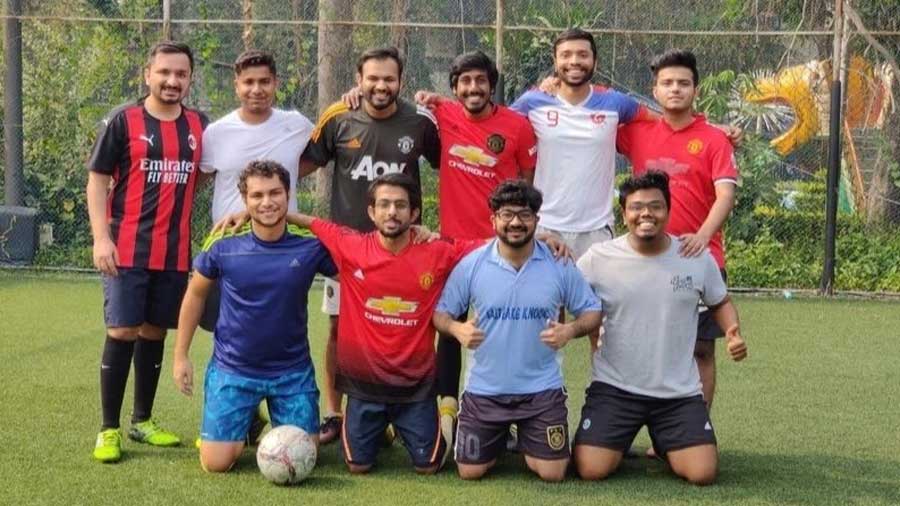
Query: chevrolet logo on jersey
{"x":473,"y":155}
{"x":391,"y":306}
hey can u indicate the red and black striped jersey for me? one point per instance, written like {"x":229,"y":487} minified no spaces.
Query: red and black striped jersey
{"x":154,"y":166}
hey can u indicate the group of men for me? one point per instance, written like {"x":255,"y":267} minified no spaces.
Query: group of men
{"x":486,"y":284}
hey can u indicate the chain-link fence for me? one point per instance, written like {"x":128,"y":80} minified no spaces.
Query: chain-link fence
{"x":766,"y":66}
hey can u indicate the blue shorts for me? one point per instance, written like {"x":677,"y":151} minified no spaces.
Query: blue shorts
{"x":231,"y":399}
{"x":417,"y":423}
{"x":137,"y":296}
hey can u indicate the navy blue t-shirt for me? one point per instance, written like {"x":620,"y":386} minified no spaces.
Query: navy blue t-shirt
{"x":261,"y":331}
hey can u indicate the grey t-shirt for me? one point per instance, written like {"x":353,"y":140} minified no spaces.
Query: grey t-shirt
{"x":650,"y":305}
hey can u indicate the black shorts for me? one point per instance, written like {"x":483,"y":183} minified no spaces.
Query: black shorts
{"x":137,"y":296}
{"x":707,"y":328}
{"x":417,"y":424}
{"x":484,"y":420}
{"x":611,"y":417}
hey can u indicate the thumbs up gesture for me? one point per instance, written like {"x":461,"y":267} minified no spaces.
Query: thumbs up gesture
{"x":468,"y":333}
{"x":737,"y":348}
{"x":556,"y":335}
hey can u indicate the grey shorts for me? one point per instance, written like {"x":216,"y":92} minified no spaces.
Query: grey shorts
{"x":484,"y":421}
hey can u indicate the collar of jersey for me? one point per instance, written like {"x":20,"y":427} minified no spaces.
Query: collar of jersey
{"x":537,"y":254}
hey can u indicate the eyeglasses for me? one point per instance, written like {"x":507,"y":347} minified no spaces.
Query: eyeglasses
{"x":524,"y":215}
{"x":654,"y":207}
{"x":385,"y":204}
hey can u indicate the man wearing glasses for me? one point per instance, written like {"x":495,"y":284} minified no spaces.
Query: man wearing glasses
{"x":514,"y":374}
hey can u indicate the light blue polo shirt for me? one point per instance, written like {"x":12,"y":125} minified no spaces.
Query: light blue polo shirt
{"x":513,"y":307}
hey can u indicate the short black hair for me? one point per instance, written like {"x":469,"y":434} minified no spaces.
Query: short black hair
{"x":265,"y":169}
{"x":652,"y":179}
{"x":675,"y":58}
{"x":171,"y":47}
{"x":474,"y":60}
{"x":575,"y":34}
{"x":516,"y":192}
{"x":401,"y":180}
{"x":381,"y":53}
{"x":254,"y":58}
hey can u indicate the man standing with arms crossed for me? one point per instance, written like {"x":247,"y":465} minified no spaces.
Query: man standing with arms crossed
{"x":261,"y":349}
{"x":150,"y":151}
{"x":514,"y":372}
{"x":699,"y":160}
{"x":386,"y":135}
{"x":645,"y":373}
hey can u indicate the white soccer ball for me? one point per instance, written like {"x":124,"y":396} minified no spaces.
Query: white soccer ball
{"x":286,"y":455}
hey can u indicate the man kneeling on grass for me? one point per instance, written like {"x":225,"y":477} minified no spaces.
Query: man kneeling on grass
{"x":649,"y":295}
{"x":260,"y":349}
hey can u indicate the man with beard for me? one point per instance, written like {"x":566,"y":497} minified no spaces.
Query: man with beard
{"x":261,"y":349}
{"x":483,"y":144}
{"x":148,"y":151}
{"x":703,"y":176}
{"x":650,"y":293}
{"x":576,"y":133}
{"x":385,"y":346}
{"x":514,"y":372}
{"x":387,"y":135}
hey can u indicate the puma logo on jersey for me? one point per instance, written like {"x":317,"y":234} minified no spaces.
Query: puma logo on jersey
{"x":148,"y":139}
{"x":369,"y":169}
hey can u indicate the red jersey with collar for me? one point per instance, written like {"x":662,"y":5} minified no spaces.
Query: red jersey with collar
{"x":385,"y":343}
{"x":696,"y":158}
{"x":477,"y":155}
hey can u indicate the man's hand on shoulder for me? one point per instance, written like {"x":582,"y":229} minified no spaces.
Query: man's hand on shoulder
{"x":692,"y":245}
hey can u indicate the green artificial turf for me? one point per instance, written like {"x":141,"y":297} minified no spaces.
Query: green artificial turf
{"x":811,"y":418}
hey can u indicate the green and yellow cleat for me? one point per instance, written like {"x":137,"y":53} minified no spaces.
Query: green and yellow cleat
{"x":109,"y":446}
{"x":149,"y":432}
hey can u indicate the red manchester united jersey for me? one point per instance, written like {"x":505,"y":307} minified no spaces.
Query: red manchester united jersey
{"x":385,"y":344}
{"x":153,"y":165}
{"x":477,"y":155}
{"x":696,"y":158}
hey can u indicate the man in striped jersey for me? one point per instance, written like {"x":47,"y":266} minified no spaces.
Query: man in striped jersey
{"x":141,"y":182}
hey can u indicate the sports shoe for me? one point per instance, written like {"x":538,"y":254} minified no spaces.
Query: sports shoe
{"x":449,"y":410}
{"x":151,"y":433}
{"x":330,"y":429}
{"x":512,"y":439}
{"x":109,"y":446}
{"x":388,"y":436}
{"x":257,"y":425}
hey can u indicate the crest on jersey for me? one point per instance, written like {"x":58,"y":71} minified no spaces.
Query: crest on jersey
{"x":556,"y":437}
{"x":598,"y":118}
{"x":694,"y":146}
{"x":192,"y":142}
{"x":405,"y":144}
{"x":426,"y":280}
{"x":496,"y":143}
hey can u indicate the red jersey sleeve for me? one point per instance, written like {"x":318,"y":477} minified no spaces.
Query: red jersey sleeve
{"x":526,"y":154}
{"x":624,"y":138}
{"x":722,"y":162}
{"x":334,"y":237}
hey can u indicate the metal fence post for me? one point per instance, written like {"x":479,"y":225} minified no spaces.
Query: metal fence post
{"x":499,"y":97}
{"x":826,"y":286}
{"x":12,"y":107}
